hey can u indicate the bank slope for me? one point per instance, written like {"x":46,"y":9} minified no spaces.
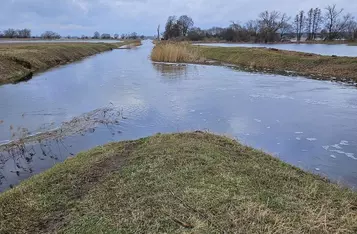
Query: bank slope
{"x":187,"y":182}
{"x":286,"y":62}
{"x":20,"y":61}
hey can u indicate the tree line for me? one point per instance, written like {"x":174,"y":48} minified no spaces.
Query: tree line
{"x":26,"y":33}
{"x":116,"y":36}
{"x":329,"y":23}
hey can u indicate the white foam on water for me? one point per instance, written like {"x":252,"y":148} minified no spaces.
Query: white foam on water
{"x":298,"y":132}
{"x":298,"y":138}
{"x":344,"y":143}
{"x":317,"y":169}
{"x":333,"y":156}
{"x":311,"y":139}
{"x":268,"y":127}
{"x":257,"y":120}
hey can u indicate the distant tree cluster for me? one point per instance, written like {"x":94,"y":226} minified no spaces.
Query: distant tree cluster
{"x":328,"y":24}
{"x":49,"y":35}
{"x":106,"y":36}
{"x":178,"y":27}
{"x":16,"y":33}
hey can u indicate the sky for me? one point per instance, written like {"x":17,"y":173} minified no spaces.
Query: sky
{"x":84,"y":17}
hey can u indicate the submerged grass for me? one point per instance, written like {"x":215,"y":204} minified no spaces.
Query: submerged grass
{"x":19,"y":61}
{"x":262,"y":59}
{"x":177,"y":183}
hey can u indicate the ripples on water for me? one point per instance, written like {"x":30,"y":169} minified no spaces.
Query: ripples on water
{"x":308,"y":123}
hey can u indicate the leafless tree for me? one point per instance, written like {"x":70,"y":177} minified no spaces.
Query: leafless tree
{"x":332,"y":20}
{"x":158,"y":32}
{"x":96,"y":35}
{"x":10,"y":33}
{"x":299,"y":25}
{"x":270,"y":23}
{"x":116,"y":36}
{"x":105,"y":36}
{"x":23,"y":33}
{"x":185,"y":23}
{"x":316,"y":22}
{"x":309,"y":23}
{"x":50,"y":35}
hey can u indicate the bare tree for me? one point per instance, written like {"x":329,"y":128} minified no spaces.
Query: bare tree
{"x":50,"y":35}
{"x":96,"y":35}
{"x":170,"y":28}
{"x":185,"y":23}
{"x":270,"y":23}
{"x":23,"y":33}
{"x":158,"y":32}
{"x":309,"y":23}
{"x":332,"y":20}
{"x":316,"y":22}
{"x":10,"y":33}
{"x":105,"y":36}
{"x":299,"y":25}
{"x":116,"y":36}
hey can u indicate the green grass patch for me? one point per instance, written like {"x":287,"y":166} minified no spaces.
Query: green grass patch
{"x":177,"y":183}
{"x":20,"y":61}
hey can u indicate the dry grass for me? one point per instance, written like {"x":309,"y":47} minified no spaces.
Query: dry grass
{"x":177,"y":183}
{"x":280,"y":61}
{"x":175,"y":52}
{"x":19,"y":61}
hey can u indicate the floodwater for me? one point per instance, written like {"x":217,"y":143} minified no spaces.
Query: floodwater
{"x":322,"y":49}
{"x":308,"y":123}
{"x":58,"y":41}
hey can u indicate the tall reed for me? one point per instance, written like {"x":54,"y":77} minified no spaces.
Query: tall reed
{"x":175,"y":52}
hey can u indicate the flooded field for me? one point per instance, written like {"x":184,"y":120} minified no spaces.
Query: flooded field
{"x":308,"y":123}
{"x":322,"y":49}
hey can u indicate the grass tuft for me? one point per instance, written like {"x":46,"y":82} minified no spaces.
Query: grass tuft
{"x":177,"y":183}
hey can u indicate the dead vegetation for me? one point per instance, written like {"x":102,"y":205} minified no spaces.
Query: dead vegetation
{"x":178,"y":52}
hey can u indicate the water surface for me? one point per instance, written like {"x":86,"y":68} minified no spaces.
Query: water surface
{"x":311,"y":124}
{"x":322,"y":49}
{"x":58,"y":41}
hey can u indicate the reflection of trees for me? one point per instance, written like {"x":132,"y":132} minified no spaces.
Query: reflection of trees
{"x":171,"y":70}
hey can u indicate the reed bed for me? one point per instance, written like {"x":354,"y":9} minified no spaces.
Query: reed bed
{"x":176,"y":53}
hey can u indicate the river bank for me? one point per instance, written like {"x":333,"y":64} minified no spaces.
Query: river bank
{"x":19,"y":62}
{"x":262,"y":59}
{"x":194,"y":182}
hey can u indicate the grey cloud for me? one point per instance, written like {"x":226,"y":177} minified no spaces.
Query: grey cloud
{"x":86,"y":16}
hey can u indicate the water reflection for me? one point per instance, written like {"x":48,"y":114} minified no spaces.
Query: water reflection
{"x":171,"y":70}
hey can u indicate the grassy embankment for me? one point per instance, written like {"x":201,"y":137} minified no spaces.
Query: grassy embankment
{"x":188,"y":182}
{"x":262,"y":59}
{"x":19,"y":61}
